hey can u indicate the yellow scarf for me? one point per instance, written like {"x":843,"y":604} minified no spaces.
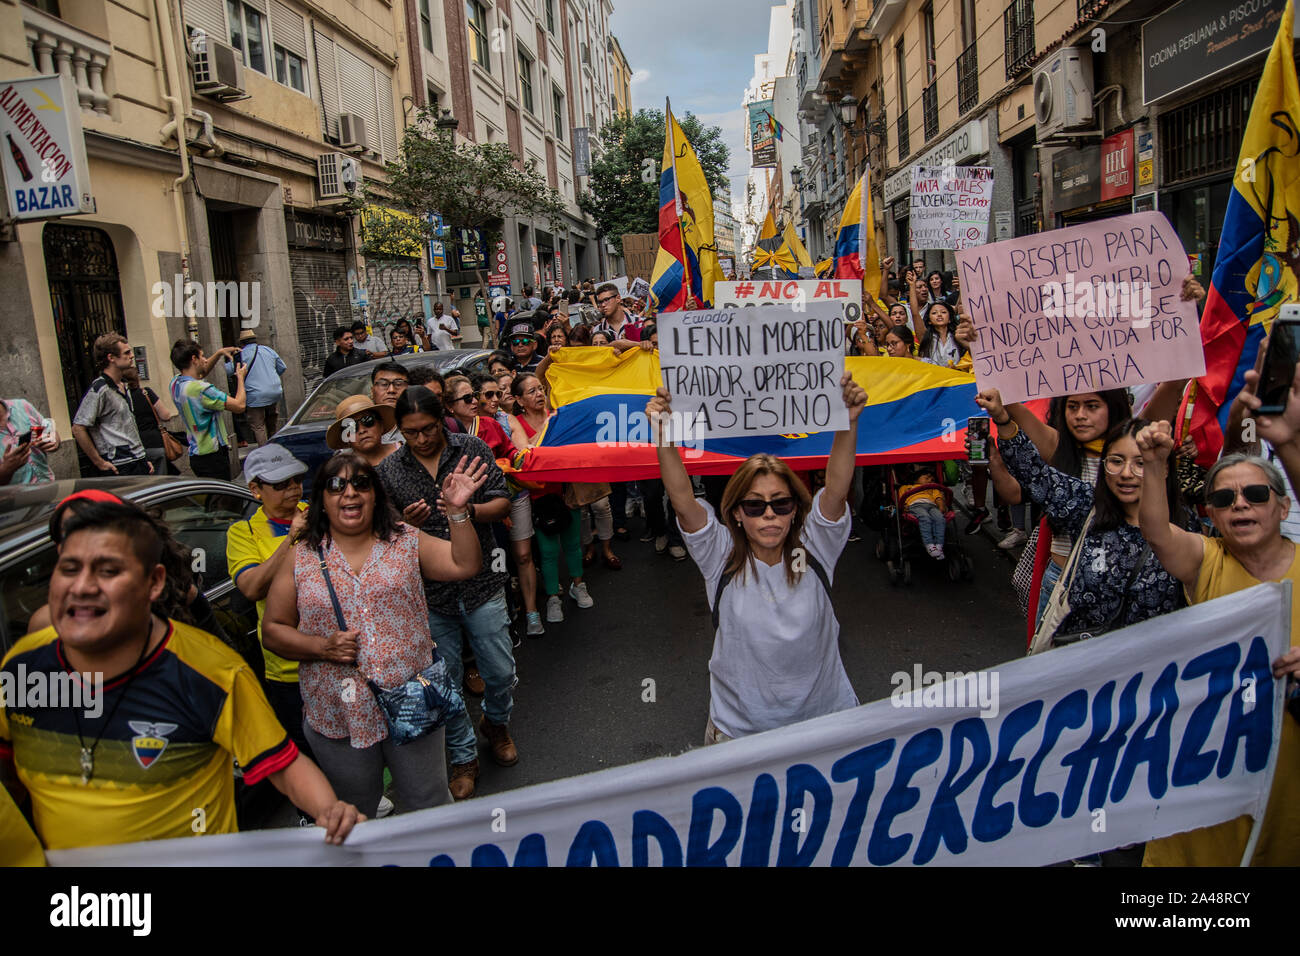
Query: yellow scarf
{"x":1095,"y":446}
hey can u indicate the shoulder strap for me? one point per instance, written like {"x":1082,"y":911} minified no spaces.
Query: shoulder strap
{"x":723,"y":581}
{"x":254,"y":362}
{"x":1128,"y":586}
{"x":334,"y":598}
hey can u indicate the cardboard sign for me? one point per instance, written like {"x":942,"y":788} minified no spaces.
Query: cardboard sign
{"x":847,"y":292}
{"x":950,"y":206}
{"x":1083,"y":309}
{"x":770,"y":370}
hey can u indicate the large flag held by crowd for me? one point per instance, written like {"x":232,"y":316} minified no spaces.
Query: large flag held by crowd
{"x":915,"y":412}
{"x":688,"y":256}
{"x":1258,"y":264}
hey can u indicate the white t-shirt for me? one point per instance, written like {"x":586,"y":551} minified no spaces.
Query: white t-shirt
{"x":373,"y":343}
{"x":776,"y":656}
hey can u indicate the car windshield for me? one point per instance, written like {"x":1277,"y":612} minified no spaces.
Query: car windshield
{"x":319,"y":407}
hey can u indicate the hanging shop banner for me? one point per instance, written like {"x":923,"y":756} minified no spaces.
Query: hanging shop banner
{"x":1151,"y":730}
{"x":1117,"y":166}
{"x":1091,"y":307}
{"x":581,"y":151}
{"x":44,"y":152}
{"x":950,"y":206}
{"x":762,"y":135}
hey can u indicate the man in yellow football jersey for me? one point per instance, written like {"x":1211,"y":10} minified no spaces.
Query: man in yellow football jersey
{"x":151,"y":757}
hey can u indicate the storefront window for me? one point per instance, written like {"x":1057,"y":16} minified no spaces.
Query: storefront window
{"x":1197,"y":213}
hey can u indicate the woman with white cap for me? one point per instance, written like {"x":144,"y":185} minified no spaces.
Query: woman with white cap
{"x":360,"y":424}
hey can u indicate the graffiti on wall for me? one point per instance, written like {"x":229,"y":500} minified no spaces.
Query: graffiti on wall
{"x":320,"y":304}
{"x":393,"y":287}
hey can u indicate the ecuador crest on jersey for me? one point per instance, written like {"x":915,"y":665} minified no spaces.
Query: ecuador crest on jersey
{"x":150,"y":741}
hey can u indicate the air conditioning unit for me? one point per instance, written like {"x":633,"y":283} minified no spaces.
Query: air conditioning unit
{"x":336,"y":175}
{"x":1063,"y":92}
{"x":352,"y":132}
{"x":218,"y":70}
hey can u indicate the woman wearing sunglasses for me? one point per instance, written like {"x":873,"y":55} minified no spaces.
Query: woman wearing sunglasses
{"x":776,"y":657}
{"x":377,"y":566}
{"x":1116,"y":579}
{"x":360,"y":424}
{"x":1247,"y":500}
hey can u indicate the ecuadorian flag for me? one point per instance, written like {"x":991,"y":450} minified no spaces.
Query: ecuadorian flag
{"x":688,"y":257}
{"x":915,"y":412}
{"x":1258,"y":264}
{"x":855,"y":254}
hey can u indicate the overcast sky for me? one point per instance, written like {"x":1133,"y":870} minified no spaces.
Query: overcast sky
{"x":699,"y":53}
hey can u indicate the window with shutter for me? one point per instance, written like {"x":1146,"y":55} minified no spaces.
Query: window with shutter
{"x":387,"y":129}
{"x":288,"y":29}
{"x":357,"y":92}
{"x":208,"y":16}
{"x":327,"y":70}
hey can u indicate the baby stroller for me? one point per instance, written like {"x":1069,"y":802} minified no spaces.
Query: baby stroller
{"x":900,"y":535}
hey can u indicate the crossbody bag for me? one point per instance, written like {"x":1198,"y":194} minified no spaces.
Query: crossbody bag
{"x":420,"y":704}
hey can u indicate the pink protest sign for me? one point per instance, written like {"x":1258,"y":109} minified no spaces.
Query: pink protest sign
{"x":1082,"y":309}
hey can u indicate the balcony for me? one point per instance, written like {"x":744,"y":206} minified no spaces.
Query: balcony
{"x":930,"y":108}
{"x":1018,"y":33}
{"x":968,"y":80}
{"x":57,"y":47}
{"x":904,"y":144}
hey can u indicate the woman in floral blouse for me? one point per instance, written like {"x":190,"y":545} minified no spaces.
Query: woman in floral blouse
{"x":1116,"y":570}
{"x":377,"y":565}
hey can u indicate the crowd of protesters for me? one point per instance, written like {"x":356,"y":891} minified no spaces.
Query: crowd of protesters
{"x":421,"y":548}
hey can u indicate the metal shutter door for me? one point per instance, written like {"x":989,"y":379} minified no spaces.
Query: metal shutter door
{"x":321,"y":302}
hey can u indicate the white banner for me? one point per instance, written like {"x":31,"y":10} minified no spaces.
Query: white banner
{"x":1162,"y":727}
{"x":848,"y":292}
{"x":770,"y":370}
{"x":950,"y":206}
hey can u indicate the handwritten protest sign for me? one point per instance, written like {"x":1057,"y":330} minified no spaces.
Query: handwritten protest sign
{"x":950,"y":206}
{"x":1091,"y":307}
{"x":847,"y":292}
{"x":770,"y":370}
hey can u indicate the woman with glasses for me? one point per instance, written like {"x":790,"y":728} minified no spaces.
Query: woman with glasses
{"x":899,"y":342}
{"x":767,"y":560}
{"x":1247,"y":500}
{"x":376,"y":569}
{"x":360,"y":425}
{"x":1117,"y":579}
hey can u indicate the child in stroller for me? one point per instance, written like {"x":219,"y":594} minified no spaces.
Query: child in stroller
{"x":919,"y":519}
{"x":930,"y":503}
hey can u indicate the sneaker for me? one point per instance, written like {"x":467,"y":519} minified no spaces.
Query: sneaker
{"x":936,"y":552}
{"x":578,"y":592}
{"x":1013,"y":540}
{"x":648,"y":537}
{"x":855,"y":534}
{"x":661,"y":544}
{"x":385,"y":808}
{"x":554,"y":610}
{"x":462,"y":779}
{"x":977,"y":518}
{"x":535,"y":628}
{"x":504,"y":751}
{"x":678,"y":552}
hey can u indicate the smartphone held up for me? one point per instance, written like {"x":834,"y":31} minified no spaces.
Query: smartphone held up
{"x":1277,"y":365}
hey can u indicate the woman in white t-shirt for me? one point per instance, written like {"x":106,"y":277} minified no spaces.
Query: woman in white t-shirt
{"x":767,"y":568}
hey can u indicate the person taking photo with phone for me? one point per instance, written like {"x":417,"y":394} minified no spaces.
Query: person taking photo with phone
{"x":26,"y":436}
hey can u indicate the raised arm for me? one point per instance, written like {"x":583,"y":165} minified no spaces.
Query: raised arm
{"x":844,"y":447}
{"x":1179,"y":551}
{"x":690,"y":513}
{"x":1280,"y":431}
{"x":462,"y":556}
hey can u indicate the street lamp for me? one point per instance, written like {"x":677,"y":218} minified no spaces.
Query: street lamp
{"x":848,"y":109}
{"x":796,"y":176}
{"x":447,"y":123}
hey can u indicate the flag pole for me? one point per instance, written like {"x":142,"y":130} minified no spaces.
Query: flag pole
{"x":677,"y":196}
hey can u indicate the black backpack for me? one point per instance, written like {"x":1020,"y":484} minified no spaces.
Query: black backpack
{"x":728,"y":575}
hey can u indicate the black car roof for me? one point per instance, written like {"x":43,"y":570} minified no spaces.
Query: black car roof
{"x":25,"y":510}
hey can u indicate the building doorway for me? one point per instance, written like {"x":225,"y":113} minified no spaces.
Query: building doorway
{"x":86,"y":299}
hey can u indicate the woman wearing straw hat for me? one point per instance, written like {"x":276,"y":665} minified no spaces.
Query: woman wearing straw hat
{"x":360,"y":424}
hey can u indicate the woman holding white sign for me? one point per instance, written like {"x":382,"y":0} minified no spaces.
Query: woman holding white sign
{"x":776,"y":657}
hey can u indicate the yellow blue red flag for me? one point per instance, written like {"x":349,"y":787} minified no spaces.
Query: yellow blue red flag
{"x":687,"y":262}
{"x":855,"y":252}
{"x":1257,"y":268}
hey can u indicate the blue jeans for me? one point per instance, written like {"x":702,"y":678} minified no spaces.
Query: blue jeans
{"x":1051,"y":574}
{"x":489,"y":638}
{"x":930,"y":520}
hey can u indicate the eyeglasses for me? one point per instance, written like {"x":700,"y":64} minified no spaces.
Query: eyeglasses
{"x":368,"y":420}
{"x":757,"y":507}
{"x":428,"y":431}
{"x":281,"y":485}
{"x":336,"y":484}
{"x":608,"y":298}
{"x":521,"y":341}
{"x":464,"y":398}
{"x":1227,"y":497}
{"x":386,"y":383}
{"x":1115,"y":465}
{"x":486,"y":394}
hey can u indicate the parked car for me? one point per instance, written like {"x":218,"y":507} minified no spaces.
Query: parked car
{"x":304,"y":435}
{"x":197,"y":510}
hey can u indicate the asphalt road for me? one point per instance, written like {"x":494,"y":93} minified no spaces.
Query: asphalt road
{"x":579,"y":705}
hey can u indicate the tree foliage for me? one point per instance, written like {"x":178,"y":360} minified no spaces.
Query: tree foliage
{"x":622,"y":193}
{"x":472,"y":185}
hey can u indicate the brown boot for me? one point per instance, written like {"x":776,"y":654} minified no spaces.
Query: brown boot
{"x":498,"y":736}
{"x":462,"y":780}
